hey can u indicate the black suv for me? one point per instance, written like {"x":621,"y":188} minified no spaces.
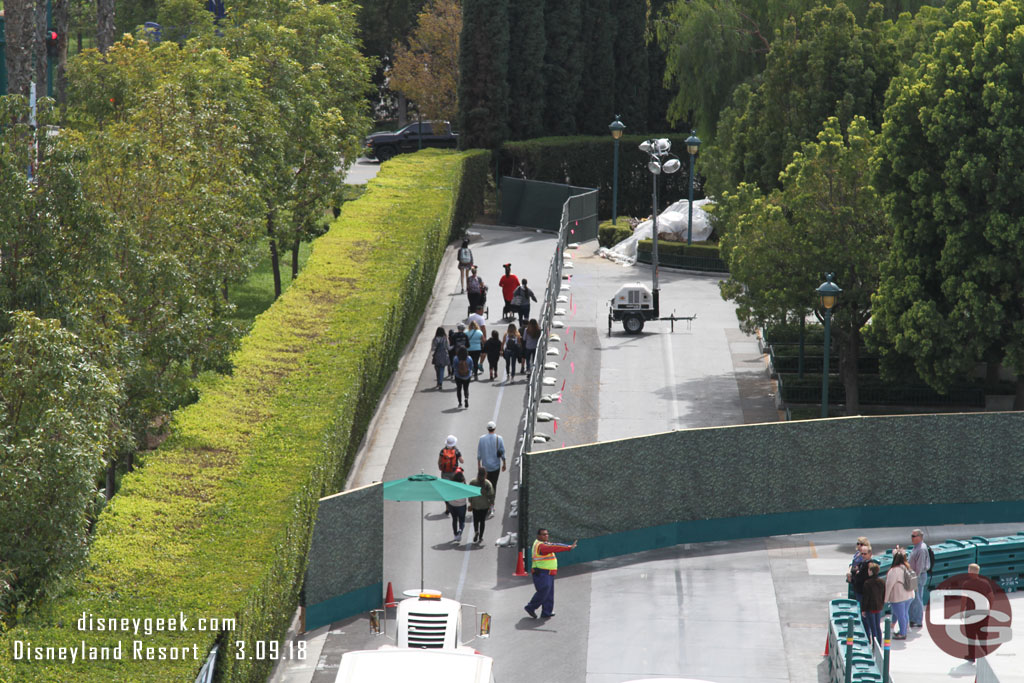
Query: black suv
{"x":386,"y":144}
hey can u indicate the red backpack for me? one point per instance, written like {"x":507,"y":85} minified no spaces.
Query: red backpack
{"x":449,"y":459}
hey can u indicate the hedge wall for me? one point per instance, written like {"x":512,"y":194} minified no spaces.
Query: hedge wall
{"x":588,"y":162}
{"x":217,"y":523}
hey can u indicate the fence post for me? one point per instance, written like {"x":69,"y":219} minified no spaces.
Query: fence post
{"x":848,"y":676}
{"x":885,"y":649}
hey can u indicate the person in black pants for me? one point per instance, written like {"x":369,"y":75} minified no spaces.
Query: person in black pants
{"x":481,"y":504}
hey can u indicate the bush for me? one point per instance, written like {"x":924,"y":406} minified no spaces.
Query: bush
{"x":587,"y":162}
{"x":218,"y":521}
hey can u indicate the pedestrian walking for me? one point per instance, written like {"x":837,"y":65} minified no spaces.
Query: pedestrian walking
{"x":899,"y":590}
{"x":490,"y":456}
{"x":982,"y":620}
{"x":508,"y":283}
{"x":465,"y":258}
{"x":448,"y":461}
{"x":492,"y":349}
{"x":456,"y":339}
{"x":544,"y":566}
{"x":439,"y":354}
{"x":511,"y":347}
{"x":482,"y":504}
{"x":872,"y":604}
{"x":458,"y":508}
{"x":521,"y":301}
{"x":477,"y":316}
{"x":920,"y":562}
{"x":476,"y":341}
{"x":463,"y":374}
{"x":476,"y":290}
{"x":531,"y":337}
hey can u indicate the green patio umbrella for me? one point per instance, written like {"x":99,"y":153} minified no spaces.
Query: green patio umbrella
{"x":423,"y":487}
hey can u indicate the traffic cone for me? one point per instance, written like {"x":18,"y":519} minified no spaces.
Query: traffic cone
{"x":520,"y":566}
{"x":389,"y":599}
{"x":826,"y":647}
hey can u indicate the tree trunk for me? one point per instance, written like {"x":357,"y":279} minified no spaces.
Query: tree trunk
{"x":295,"y":259}
{"x":403,"y":107}
{"x":61,"y":20}
{"x":111,"y":478}
{"x":849,"y":354}
{"x":104,"y":25}
{"x":39,"y":47}
{"x":1018,"y":399}
{"x":19,"y":18}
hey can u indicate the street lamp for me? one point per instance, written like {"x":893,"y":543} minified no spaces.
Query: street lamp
{"x":829,"y":292}
{"x":692,"y":145}
{"x":616,"y":127}
{"x":662,"y":161}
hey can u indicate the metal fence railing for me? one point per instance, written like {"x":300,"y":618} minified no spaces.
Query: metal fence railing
{"x":574,"y":209}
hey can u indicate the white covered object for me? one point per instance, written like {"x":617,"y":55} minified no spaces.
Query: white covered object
{"x":672,"y":223}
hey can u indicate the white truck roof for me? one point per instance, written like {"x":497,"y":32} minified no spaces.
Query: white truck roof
{"x":422,"y":666}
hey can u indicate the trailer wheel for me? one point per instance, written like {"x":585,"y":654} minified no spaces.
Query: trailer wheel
{"x":633,"y":324}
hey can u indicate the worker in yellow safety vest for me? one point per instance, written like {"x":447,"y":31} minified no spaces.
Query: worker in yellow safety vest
{"x":544,"y":567}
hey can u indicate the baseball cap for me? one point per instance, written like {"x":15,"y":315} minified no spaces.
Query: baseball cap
{"x":491,"y":426}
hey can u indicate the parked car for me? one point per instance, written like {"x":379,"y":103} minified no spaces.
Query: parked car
{"x":385,"y":144}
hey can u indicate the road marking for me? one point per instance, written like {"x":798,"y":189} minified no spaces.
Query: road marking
{"x":671,"y":367}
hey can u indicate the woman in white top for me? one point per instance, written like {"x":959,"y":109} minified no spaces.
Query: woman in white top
{"x":896,"y":592}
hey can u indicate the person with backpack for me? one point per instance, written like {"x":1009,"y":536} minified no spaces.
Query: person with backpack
{"x":463,"y":374}
{"x":456,"y":339}
{"x":521,"y":302}
{"x":465,"y":259}
{"x":476,"y":290}
{"x":531,"y":337}
{"x":448,"y":461}
{"x":899,"y":590}
{"x":511,"y":347}
{"x":439,"y":354}
{"x":921,"y":558}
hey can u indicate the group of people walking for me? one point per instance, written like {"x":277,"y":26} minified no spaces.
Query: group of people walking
{"x":904,"y":587}
{"x":490,"y":457}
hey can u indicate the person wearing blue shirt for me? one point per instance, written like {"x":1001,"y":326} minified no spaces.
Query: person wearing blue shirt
{"x":490,"y":455}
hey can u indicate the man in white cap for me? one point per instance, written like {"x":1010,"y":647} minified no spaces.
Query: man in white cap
{"x":490,"y":455}
{"x":448,"y":461}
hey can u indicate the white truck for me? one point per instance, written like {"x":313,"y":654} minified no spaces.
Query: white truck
{"x":428,"y":647}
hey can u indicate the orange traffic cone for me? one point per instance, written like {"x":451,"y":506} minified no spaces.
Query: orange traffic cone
{"x":826,"y":647}
{"x":520,"y":566}
{"x":389,"y":599}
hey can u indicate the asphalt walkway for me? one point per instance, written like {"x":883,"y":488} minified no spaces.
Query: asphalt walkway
{"x":748,"y":610}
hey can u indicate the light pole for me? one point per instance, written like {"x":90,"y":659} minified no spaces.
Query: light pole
{"x":692,"y":145}
{"x":616,"y":127}
{"x":661,"y":161}
{"x":829,"y":292}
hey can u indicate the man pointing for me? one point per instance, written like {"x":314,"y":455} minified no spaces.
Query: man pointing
{"x":544,"y":567}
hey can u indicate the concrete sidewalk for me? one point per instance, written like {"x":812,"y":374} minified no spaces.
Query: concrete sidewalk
{"x":747,"y":610}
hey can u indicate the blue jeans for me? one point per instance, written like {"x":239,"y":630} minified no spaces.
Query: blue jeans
{"x":440,"y":373}
{"x":545,"y":595}
{"x":899,"y":610}
{"x":873,"y":626}
{"x":920,"y":599}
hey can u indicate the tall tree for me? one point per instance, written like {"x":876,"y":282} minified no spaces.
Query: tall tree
{"x":563,"y":65}
{"x":631,"y":75}
{"x":427,"y":69}
{"x":826,"y":215}
{"x":952,"y":292}
{"x":596,"y":106}
{"x":527,"y":46}
{"x":822,"y":64}
{"x":19,"y":27}
{"x":382,"y":25}
{"x":483,"y":74}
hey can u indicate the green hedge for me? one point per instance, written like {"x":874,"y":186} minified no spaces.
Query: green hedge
{"x":588,"y":162}
{"x":873,"y":391}
{"x":218,"y":521}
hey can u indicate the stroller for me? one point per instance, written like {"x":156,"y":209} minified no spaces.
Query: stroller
{"x":476,"y":300}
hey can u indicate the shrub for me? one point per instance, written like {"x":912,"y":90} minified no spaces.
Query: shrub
{"x":218,"y":521}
